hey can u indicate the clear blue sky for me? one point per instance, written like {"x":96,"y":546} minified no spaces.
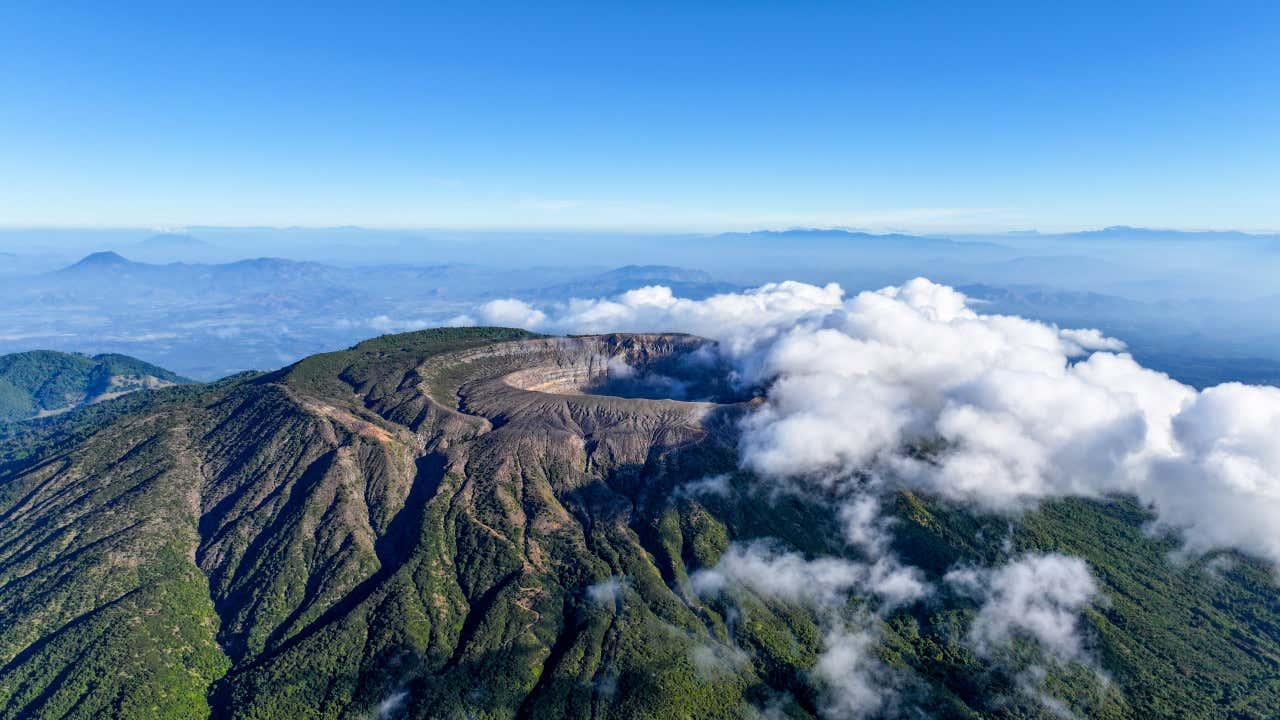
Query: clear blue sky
{"x":678,"y":116}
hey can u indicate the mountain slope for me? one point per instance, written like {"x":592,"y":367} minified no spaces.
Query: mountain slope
{"x":46,"y":382}
{"x":454,"y":524}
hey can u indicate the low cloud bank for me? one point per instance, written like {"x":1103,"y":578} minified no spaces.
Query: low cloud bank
{"x":912,"y":385}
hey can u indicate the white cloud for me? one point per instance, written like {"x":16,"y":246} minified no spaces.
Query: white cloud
{"x":392,"y":706}
{"x":1090,"y":339}
{"x":856,"y":683}
{"x":1036,"y":596}
{"x":823,"y":581}
{"x":894,"y":583}
{"x":1009,"y":410}
{"x":741,"y":320}
{"x":511,"y":313}
{"x":854,"y":677}
{"x":388,"y":324}
{"x":463,"y":320}
{"x":607,"y":592}
{"x":864,"y":526}
{"x":711,"y":485}
{"x":1223,"y":488}
{"x":783,"y":575}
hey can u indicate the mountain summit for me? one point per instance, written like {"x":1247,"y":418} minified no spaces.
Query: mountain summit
{"x":103,"y":260}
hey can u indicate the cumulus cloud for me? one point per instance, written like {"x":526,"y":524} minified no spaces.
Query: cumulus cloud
{"x":1223,"y":488}
{"x":910,"y":366}
{"x":1090,"y":339}
{"x":912,"y":384}
{"x":513,"y":313}
{"x":1037,"y":596}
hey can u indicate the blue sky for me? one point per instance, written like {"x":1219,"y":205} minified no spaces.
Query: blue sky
{"x":917,"y":116}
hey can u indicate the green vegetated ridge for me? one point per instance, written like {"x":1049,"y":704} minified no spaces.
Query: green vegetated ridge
{"x":387,"y":529}
{"x":46,"y":382}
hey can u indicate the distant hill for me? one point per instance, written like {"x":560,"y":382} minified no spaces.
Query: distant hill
{"x":47,"y":382}
{"x":1036,"y":300}
{"x":110,"y":261}
{"x":175,"y":247}
{"x":106,"y":260}
{"x":113,"y":274}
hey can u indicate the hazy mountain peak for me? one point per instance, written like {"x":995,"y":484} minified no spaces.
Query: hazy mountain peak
{"x":102,"y":259}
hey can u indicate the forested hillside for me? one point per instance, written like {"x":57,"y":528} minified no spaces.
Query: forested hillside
{"x":46,"y":382}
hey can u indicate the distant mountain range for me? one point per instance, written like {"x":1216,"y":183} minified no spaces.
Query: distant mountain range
{"x":1129,"y":233}
{"x":113,"y":268}
{"x":109,"y":273}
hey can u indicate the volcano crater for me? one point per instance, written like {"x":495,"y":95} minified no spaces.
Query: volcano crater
{"x":639,"y":367}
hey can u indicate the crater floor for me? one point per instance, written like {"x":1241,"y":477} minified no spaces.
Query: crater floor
{"x":666,"y":368}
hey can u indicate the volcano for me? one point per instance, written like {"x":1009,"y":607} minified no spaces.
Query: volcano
{"x":485,"y":522}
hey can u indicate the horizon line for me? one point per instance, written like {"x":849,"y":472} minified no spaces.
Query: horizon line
{"x":615,"y":230}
